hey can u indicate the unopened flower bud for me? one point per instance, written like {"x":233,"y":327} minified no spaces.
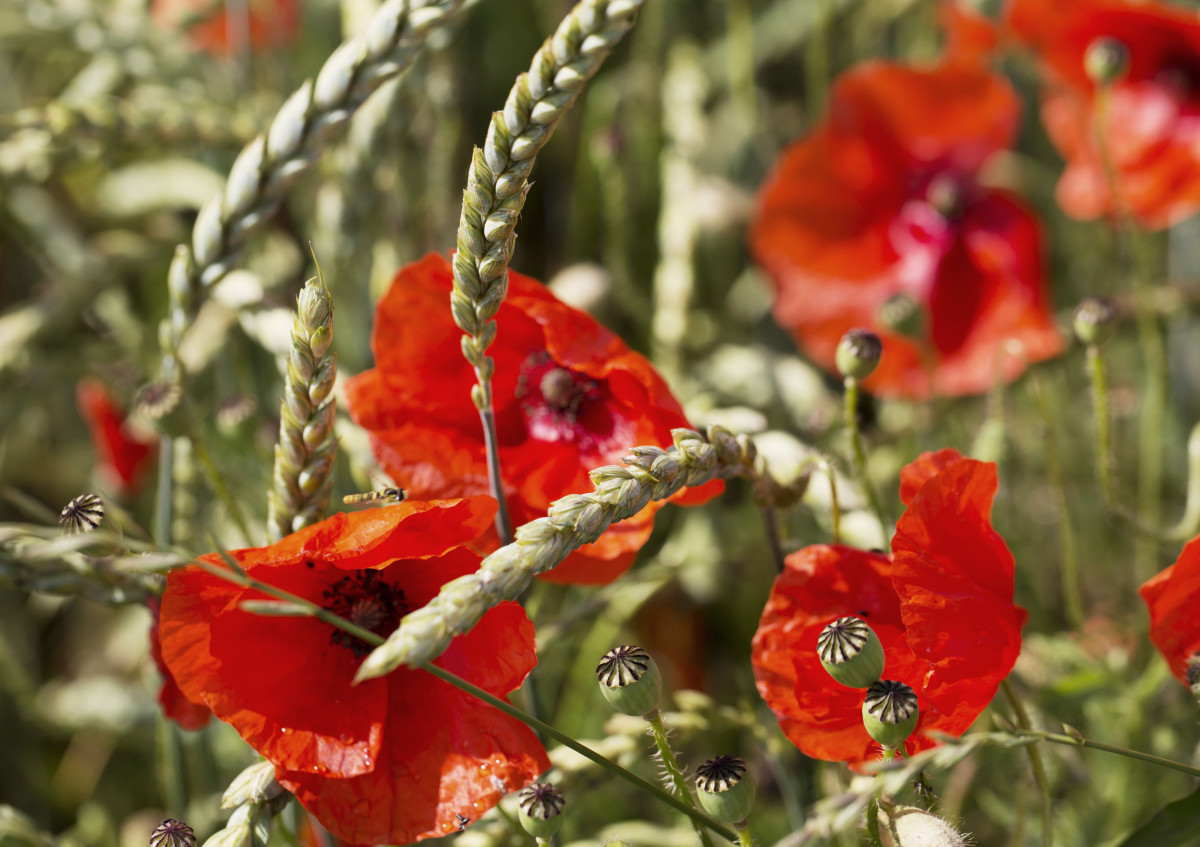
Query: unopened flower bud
{"x":1106,"y":60}
{"x":902,"y":315}
{"x":1094,"y":319}
{"x":630,"y":680}
{"x":851,"y":652}
{"x":724,"y":788}
{"x":83,"y":514}
{"x":890,"y":712}
{"x":916,"y":828}
{"x":541,"y":809}
{"x":858,"y":353}
{"x":173,"y":833}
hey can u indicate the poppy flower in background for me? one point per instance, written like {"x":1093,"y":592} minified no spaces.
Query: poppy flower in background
{"x":950,"y":571}
{"x":123,"y":456}
{"x":882,"y":202}
{"x":391,"y":760}
{"x":1172,"y":596}
{"x":210,"y":24}
{"x":1152,"y":129}
{"x":569,"y":397}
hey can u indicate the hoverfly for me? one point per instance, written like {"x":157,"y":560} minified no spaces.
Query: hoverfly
{"x":381,"y":495}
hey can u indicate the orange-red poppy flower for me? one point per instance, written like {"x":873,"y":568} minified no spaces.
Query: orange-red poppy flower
{"x":175,"y":705}
{"x":388,"y":761}
{"x":882,"y":202}
{"x":941,"y":604}
{"x":1151,"y":129}
{"x":124,"y":456}
{"x":569,"y":397}
{"x":212,"y":26}
{"x":1173,"y":597}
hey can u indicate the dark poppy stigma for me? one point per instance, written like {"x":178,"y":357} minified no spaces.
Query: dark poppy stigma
{"x":367,"y":601}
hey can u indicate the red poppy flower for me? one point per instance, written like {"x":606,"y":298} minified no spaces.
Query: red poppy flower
{"x":941,"y":605}
{"x":569,"y":397}
{"x":175,"y":705}
{"x":210,"y":23}
{"x":391,"y":760}
{"x":883,"y":199}
{"x":1152,"y":130}
{"x":124,"y":456}
{"x":1172,"y":596}
{"x":969,"y":34}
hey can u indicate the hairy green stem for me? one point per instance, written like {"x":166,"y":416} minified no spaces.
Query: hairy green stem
{"x":1072,"y":594}
{"x":859,"y":454}
{"x":770,"y":517}
{"x":1035,"y":762}
{"x":1080,"y":741}
{"x":671,"y":764}
{"x":1101,"y":425}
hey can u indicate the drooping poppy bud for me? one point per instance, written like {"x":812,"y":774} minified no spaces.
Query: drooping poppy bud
{"x":541,"y":809}
{"x":725,"y":789}
{"x":630,"y":680}
{"x":858,"y":353}
{"x":851,"y":652}
{"x":890,"y":712}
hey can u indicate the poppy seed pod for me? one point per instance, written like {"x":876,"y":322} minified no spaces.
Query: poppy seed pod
{"x":908,"y":826}
{"x":902,"y":315}
{"x":890,"y":712}
{"x":725,"y":790}
{"x":630,"y":680}
{"x":541,"y":809}
{"x":858,"y":353}
{"x":173,"y":833}
{"x":851,"y":652}
{"x":1106,"y":60}
{"x":1094,"y":319}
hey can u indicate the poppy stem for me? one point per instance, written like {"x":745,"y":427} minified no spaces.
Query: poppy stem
{"x":671,"y":764}
{"x":1077,"y":740}
{"x":771,"y":528}
{"x":835,"y":509}
{"x":1101,"y":427}
{"x":504,"y":527}
{"x":1071,"y":593}
{"x":860,"y":459}
{"x":1035,"y":762}
{"x":220,"y":488}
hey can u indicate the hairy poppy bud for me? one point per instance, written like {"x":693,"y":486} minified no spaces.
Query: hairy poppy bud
{"x":908,"y":826}
{"x":630,"y":680}
{"x":541,"y":809}
{"x":850,"y":651}
{"x":858,"y":353}
{"x":1106,"y":60}
{"x":1094,"y":319}
{"x":725,"y":790}
{"x":890,"y":712}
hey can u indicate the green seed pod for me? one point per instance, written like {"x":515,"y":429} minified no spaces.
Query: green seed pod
{"x":541,"y":809}
{"x":1106,"y":60}
{"x":902,"y":315}
{"x":890,"y":712}
{"x":725,"y":790}
{"x":1094,"y":319}
{"x":858,"y":353}
{"x":630,"y":680}
{"x":850,"y":651}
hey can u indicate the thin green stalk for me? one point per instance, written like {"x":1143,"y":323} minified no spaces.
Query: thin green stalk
{"x":1151,"y":421}
{"x":1072,"y":594}
{"x":771,"y":529}
{"x":504,"y":526}
{"x":220,"y":488}
{"x":1101,"y":425}
{"x":744,"y":839}
{"x":835,"y":511}
{"x":163,"y":492}
{"x":860,"y":459}
{"x":1035,"y":762}
{"x":239,"y":577}
{"x":673,"y":770}
{"x":1080,"y":741}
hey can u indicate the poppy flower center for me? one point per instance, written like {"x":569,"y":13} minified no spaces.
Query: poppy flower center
{"x":945,"y":195}
{"x":368,"y":602}
{"x":554,"y":398}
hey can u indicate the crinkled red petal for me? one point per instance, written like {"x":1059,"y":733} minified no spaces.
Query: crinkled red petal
{"x":1173,"y":597}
